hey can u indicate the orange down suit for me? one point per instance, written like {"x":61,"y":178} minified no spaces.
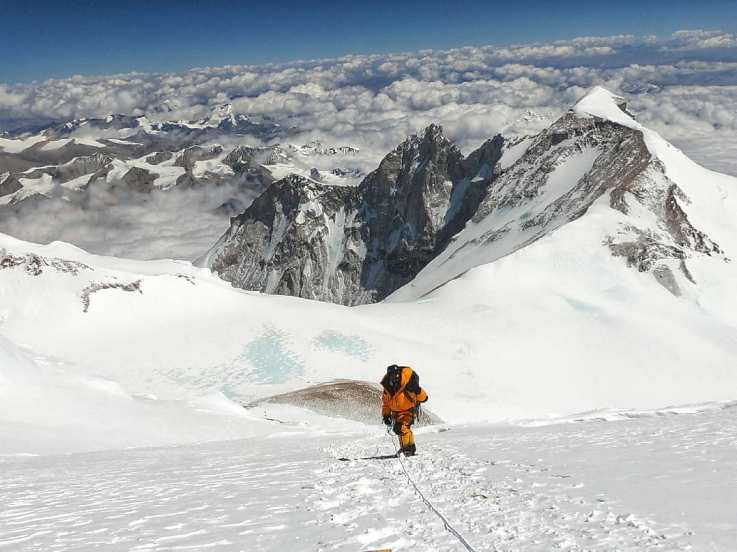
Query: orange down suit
{"x":401,"y":404}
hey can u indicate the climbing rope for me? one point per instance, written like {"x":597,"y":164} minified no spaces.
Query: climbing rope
{"x":446,"y":524}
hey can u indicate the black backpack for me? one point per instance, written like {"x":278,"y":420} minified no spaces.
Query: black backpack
{"x":392,"y":381}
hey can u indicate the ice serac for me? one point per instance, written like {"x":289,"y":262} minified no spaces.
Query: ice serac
{"x":357,"y":245}
{"x":594,"y":152}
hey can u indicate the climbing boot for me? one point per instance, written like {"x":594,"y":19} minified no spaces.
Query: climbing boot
{"x":409,"y":450}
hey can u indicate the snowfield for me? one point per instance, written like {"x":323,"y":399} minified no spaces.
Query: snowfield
{"x":651,"y":482}
{"x":127,"y":390}
{"x":554,"y":335}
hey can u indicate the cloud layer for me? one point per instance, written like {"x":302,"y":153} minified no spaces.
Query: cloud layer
{"x":685,"y":85}
{"x":180,"y":224}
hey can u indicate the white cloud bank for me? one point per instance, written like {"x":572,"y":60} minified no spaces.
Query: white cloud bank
{"x":684,"y":85}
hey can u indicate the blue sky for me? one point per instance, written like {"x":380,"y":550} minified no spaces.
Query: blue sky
{"x":54,"y":38}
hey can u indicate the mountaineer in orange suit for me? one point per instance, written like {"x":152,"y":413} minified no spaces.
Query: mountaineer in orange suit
{"x":400,"y":404}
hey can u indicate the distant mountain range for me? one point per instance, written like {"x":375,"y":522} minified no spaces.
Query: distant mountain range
{"x":63,"y":160}
{"x":424,"y":216}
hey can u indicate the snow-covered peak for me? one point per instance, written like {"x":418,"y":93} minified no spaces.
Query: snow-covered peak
{"x":221,"y":113}
{"x":429,"y":139}
{"x":642,"y":197}
{"x":600,"y":102}
{"x":316,"y":147}
{"x":223,"y":110}
{"x":711,"y":199}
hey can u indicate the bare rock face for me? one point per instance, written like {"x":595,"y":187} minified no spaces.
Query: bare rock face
{"x":666,"y":248}
{"x":350,"y":399}
{"x":191,"y":155}
{"x":298,"y":238}
{"x":9,"y":184}
{"x":596,"y":157}
{"x":241,"y":159}
{"x":428,"y":210}
{"x":405,"y":203}
{"x":480,"y":169}
{"x":356,"y":245}
{"x":139,"y":180}
{"x":315,"y":174}
{"x":248,"y":163}
{"x":96,"y":165}
{"x":81,"y":166}
{"x":248,"y":158}
{"x":159,"y":157}
{"x":419,"y":196}
{"x":35,"y":265}
{"x":187,"y":160}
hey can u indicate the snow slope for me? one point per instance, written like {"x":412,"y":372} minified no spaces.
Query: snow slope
{"x":17,"y":145}
{"x":49,"y":407}
{"x":558,"y":326}
{"x":648,"y":483}
{"x":537,"y":343}
{"x":710,"y":204}
{"x":104,"y":354}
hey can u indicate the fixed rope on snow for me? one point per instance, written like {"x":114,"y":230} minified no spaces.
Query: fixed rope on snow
{"x":446,"y":524}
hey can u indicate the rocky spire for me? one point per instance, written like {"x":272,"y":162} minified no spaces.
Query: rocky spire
{"x":355,"y":245}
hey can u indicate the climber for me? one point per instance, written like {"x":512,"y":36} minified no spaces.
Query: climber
{"x":400,"y":404}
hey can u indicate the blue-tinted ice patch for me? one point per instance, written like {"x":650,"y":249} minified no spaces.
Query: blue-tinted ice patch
{"x":581,"y":306}
{"x":266,"y":359}
{"x":351,"y":345}
{"x":271,"y":359}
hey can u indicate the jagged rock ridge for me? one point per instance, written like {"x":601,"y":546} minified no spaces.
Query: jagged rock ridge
{"x":567,"y":168}
{"x":357,"y":245}
{"x":427,"y":214}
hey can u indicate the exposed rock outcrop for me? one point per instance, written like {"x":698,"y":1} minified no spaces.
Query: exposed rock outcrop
{"x":191,"y":155}
{"x":353,"y":400}
{"x":419,"y":196}
{"x":35,"y":265}
{"x":298,"y":238}
{"x":81,"y":166}
{"x":94,"y":287}
{"x":565,"y":169}
{"x":9,"y":184}
{"x":96,"y":165}
{"x":356,"y":245}
{"x":248,"y":162}
{"x":159,"y":157}
{"x":411,"y":214}
{"x":139,"y":180}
